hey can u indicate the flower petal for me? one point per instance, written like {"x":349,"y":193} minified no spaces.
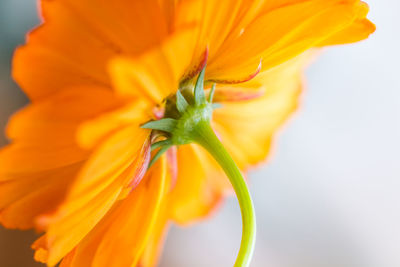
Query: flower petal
{"x":235,"y":93}
{"x":357,"y":31}
{"x":94,"y":131}
{"x":121,"y":237}
{"x":157,"y":73}
{"x":281,"y":34}
{"x":247,"y":127}
{"x":110,"y":169}
{"x":154,"y":245}
{"x":27,"y":196}
{"x":214,"y":23}
{"x":199,"y":186}
{"x":37,"y":168}
{"x":76,"y":41}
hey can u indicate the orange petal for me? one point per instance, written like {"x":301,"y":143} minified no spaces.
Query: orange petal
{"x":199,"y":187}
{"x":30,"y":195}
{"x":38,"y":167}
{"x":154,"y":246}
{"x":359,"y":30}
{"x":94,"y":131}
{"x":67,"y":260}
{"x":194,"y":70}
{"x":55,"y":56}
{"x":169,"y":8}
{"x":62,"y":237}
{"x":43,"y":134}
{"x":228,"y":94}
{"x":109,"y":170}
{"x":22,"y":158}
{"x":239,"y":79}
{"x":247,"y":127}
{"x":281,"y":34}
{"x":214,"y":20}
{"x":121,"y":237}
{"x":61,"y":111}
{"x":155,"y":74}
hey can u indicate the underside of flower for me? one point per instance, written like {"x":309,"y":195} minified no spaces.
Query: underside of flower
{"x":96,"y":71}
{"x":187,"y":120}
{"x":185,"y":112}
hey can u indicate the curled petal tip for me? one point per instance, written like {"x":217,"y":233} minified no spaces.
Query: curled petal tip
{"x":246,"y":79}
{"x":199,"y":67}
{"x":227,"y":95}
{"x":142,"y":166}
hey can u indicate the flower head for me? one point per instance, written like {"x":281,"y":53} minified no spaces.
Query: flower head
{"x":76,"y":167}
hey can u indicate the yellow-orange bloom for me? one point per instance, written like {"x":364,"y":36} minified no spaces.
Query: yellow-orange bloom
{"x":76,"y":165}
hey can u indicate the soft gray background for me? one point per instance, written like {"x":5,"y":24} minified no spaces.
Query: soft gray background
{"x":329,"y":196}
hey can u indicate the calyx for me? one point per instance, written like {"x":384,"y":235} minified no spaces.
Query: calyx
{"x":183,"y":117}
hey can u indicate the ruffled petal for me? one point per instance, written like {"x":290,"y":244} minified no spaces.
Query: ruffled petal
{"x":110,"y":169}
{"x":247,"y":127}
{"x":280,"y":34}
{"x":359,"y":30}
{"x":200,"y":185}
{"x":27,"y":196}
{"x":151,"y":254}
{"x":215,"y":20}
{"x":122,"y":236}
{"x":37,"y":168}
{"x":76,"y":41}
{"x":92,"y":132}
{"x":157,"y":73}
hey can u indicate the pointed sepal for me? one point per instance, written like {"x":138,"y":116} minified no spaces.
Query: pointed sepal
{"x":211,"y":95}
{"x":199,"y":95}
{"x":158,"y":154}
{"x":159,"y":144}
{"x":166,"y":125}
{"x":181,"y":103}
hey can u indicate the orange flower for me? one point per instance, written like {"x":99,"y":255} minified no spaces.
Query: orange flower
{"x":76,"y":167}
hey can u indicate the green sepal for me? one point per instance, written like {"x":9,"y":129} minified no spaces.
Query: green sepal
{"x":211,"y":95}
{"x":199,"y":95}
{"x":160,"y":144}
{"x":192,"y":125}
{"x":166,"y":125}
{"x":159,"y":154}
{"x":181,"y":103}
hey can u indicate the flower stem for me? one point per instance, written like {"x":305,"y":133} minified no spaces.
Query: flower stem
{"x":206,"y":137}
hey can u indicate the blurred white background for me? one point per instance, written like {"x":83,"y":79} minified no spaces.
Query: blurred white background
{"x":329,"y":196}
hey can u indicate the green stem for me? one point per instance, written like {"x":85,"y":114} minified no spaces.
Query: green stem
{"x":206,"y":137}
